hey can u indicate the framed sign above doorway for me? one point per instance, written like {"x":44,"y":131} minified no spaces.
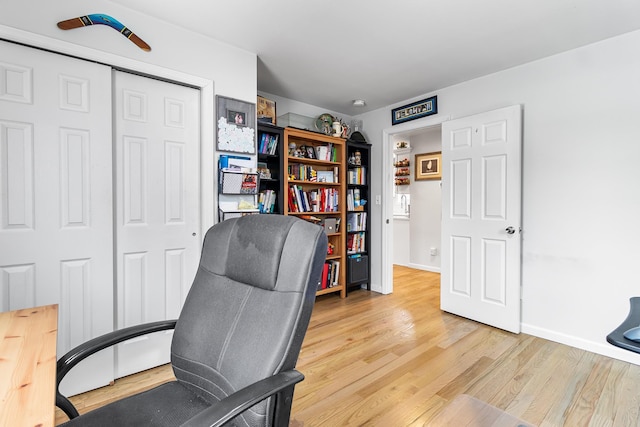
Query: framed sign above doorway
{"x":415,"y":110}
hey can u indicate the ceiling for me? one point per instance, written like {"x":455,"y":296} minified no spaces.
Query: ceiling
{"x":329,"y":53}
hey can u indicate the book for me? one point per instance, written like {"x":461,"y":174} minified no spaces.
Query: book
{"x":267,"y":201}
{"x":336,"y":274}
{"x":292,"y":201}
{"x":273,"y":144}
{"x":311,"y":218}
{"x":322,"y":152}
{"x":268,"y":143}
{"x":249,"y":184}
{"x":325,"y":176}
{"x":325,"y":274}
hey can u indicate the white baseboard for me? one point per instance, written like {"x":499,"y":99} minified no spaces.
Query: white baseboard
{"x":424,"y":267}
{"x":419,"y":267}
{"x":602,"y":348}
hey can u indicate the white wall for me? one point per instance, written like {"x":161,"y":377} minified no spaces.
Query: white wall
{"x":426,"y":205}
{"x":414,"y":235}
{"x":176,"y":54}
{"x":580,"y":173}
{"x":401,"y":235}
{"x":285,"y":105}
{"x":233,"y":70}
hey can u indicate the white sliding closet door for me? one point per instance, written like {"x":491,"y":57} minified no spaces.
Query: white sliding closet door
{"x":105,"y":224}
{"x":56,"y":216}
{"x":157,"y":208}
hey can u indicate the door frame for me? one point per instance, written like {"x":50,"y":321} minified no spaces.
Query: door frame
{"x":387,"y":191}
{"x":208,"y":199}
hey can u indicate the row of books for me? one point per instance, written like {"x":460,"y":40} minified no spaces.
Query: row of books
{"x":267,"y":201}
{"x":301,"y":172}
{"x":353,"y":199}
{"x":327,"y":153}
{"x":268,"y":143}
{"x":357,"y":176}
{"x":356,"y":242}
{"x":316,"y":200}
{"x":330,"y":275}
{"x":357,"y":221}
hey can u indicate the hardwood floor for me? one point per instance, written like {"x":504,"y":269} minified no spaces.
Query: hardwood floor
{"x":396,"y":360}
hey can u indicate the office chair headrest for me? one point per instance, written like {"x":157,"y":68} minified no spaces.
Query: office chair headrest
{"x":253,"y":251}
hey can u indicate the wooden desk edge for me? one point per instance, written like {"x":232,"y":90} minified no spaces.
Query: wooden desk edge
{"x":28,"y":366}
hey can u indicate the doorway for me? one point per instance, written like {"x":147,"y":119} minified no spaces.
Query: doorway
{"x":390,"y":136}
{"x":417,"y":203}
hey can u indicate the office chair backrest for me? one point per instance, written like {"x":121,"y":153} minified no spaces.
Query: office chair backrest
{"x":249,"y":306}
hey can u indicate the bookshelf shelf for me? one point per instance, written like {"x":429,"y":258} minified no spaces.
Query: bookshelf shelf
{"x":312,"y":161}
{"x":326,"y":291}
{"x":321,"y":184}
{"x":320,"y":161}
{"x":314,"y":213}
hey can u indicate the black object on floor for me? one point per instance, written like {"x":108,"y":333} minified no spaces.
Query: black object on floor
{"x":616,"y":337}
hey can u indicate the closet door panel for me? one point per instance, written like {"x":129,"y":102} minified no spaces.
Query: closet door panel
{"x":157,"y":148}
{"x":56,"y":221}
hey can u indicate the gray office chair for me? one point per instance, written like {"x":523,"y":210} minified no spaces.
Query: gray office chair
{"x":237,"y":340}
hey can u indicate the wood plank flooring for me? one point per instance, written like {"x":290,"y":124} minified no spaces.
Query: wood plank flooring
{"x":396,"y":360}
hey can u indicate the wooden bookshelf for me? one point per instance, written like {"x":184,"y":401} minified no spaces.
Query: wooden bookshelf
{"x":315,"y":190}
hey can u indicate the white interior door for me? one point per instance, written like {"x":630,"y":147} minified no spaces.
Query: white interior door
{"x":481,"y":217}
{"x":157,"y":179}
{"x":56,"y":221}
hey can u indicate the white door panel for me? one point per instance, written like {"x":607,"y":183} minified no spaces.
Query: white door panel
{"x":157,"y":176}
{"x":56,"y":222}
{"x":481,"y":202}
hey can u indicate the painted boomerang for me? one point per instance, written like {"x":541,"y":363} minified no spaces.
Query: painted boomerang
{"x":99,"y":18}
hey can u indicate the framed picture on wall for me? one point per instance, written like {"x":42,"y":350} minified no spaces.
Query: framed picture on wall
{"x":266,"y":110}
{"x":428,"y":166}
{"x":236,"y":125}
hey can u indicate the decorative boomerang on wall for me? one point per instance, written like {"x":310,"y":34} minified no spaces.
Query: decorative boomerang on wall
{"x":99,"y":18}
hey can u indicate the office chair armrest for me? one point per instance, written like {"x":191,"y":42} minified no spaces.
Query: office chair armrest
{"x":238,"y":402}
{"x":84,"y":350}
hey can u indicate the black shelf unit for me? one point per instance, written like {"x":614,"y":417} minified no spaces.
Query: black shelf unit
{"x":358,"y":216}
{"x":274,"y":162}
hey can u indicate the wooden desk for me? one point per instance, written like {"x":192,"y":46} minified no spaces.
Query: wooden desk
{"x":28,"y":366}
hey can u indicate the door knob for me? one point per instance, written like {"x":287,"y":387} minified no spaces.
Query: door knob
{"x":510,"y":230}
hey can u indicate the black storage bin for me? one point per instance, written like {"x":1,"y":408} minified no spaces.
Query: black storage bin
{"x":358,"y":271}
